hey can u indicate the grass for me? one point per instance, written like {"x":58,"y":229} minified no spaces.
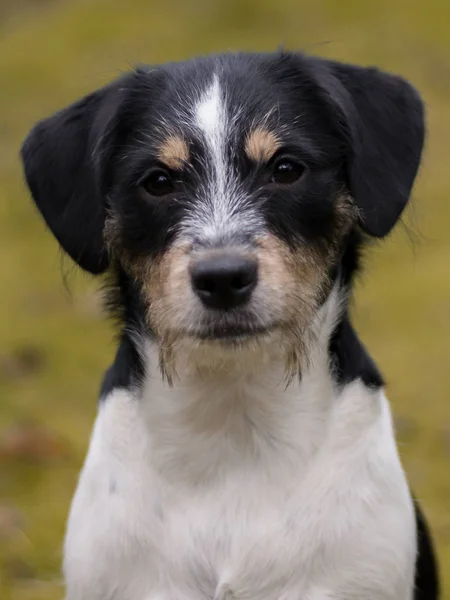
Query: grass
{"x":52,"y":54}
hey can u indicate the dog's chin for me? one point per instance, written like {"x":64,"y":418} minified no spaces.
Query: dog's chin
{"x":214,"y":349}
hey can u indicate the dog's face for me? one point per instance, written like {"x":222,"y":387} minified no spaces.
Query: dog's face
{"x":227,"y":186}
{"x":226,"y":207}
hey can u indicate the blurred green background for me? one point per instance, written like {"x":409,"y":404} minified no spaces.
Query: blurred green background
{"x":54,"y":342}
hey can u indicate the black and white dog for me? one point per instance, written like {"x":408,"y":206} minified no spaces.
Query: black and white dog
{"x":244,"y":446}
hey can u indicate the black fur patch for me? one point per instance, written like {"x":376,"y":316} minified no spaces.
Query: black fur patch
{"x":125,"y":306}
{"x":350,"y":359}
{"x":427,"y":576}
{"x":127,"y":370}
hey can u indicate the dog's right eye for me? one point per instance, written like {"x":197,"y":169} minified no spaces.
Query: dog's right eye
{"x":158,"y":183}
{"x":287,"y":171}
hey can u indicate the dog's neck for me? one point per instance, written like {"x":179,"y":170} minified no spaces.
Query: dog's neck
{"x":243,"y":411}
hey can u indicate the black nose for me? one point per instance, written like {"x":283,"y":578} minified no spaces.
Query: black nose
{"x":224,"y":281}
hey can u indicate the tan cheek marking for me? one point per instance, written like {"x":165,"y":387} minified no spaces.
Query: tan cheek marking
{"x":304,"y":270}
{"x":347,"y":214}
{"x":297,"y":276}
{"x":165,"y":280}
{"x":284,"y":268}
{"x":261,"y":144}
{"x":166,"y":285}
{"x":274,"y":261}
{"x":174,"y":152}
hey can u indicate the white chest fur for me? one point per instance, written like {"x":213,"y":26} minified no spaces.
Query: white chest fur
{"x":270,"y":493}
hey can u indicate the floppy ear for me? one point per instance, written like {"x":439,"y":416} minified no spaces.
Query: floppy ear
{"x":62,"y":157}
{"x":382,"y":118}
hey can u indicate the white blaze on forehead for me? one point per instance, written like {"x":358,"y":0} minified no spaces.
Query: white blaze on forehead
{"x":221,"y":209}
{"x":210,"y":111}
{"x":211,"y":119}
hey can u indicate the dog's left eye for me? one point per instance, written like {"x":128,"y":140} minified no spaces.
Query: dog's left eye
{"x":158,"y":183}
{"x":286,"y":171}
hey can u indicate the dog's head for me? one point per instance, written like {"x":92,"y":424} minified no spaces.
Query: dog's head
{"x":227,"y":186}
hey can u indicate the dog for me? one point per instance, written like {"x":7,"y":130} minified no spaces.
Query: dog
{"x":244,"y":446}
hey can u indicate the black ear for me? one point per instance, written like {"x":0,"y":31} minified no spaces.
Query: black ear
{"x":61,"y":157}
{"x":382,"y":118}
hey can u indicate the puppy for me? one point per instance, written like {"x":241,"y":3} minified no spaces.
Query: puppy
{"x":244,"y":446}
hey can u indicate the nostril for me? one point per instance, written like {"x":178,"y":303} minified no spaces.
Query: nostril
{"x":238,"y":282}
{"x":243,"y":279}
{"x":204,"y":284}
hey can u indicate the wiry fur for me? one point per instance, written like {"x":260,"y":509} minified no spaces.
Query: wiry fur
{"x":244,"y":446}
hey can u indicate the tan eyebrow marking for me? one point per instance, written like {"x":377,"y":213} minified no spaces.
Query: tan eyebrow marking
{"x":261,"y":144}
{"x":174,"y":152}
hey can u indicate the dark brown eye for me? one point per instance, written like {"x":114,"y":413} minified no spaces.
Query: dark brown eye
{"x":159,"y":183}
{"x":286,"y":171}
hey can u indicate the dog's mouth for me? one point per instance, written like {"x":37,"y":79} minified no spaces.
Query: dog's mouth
{"x":228,"y":333}
{"x":229,"y":329}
